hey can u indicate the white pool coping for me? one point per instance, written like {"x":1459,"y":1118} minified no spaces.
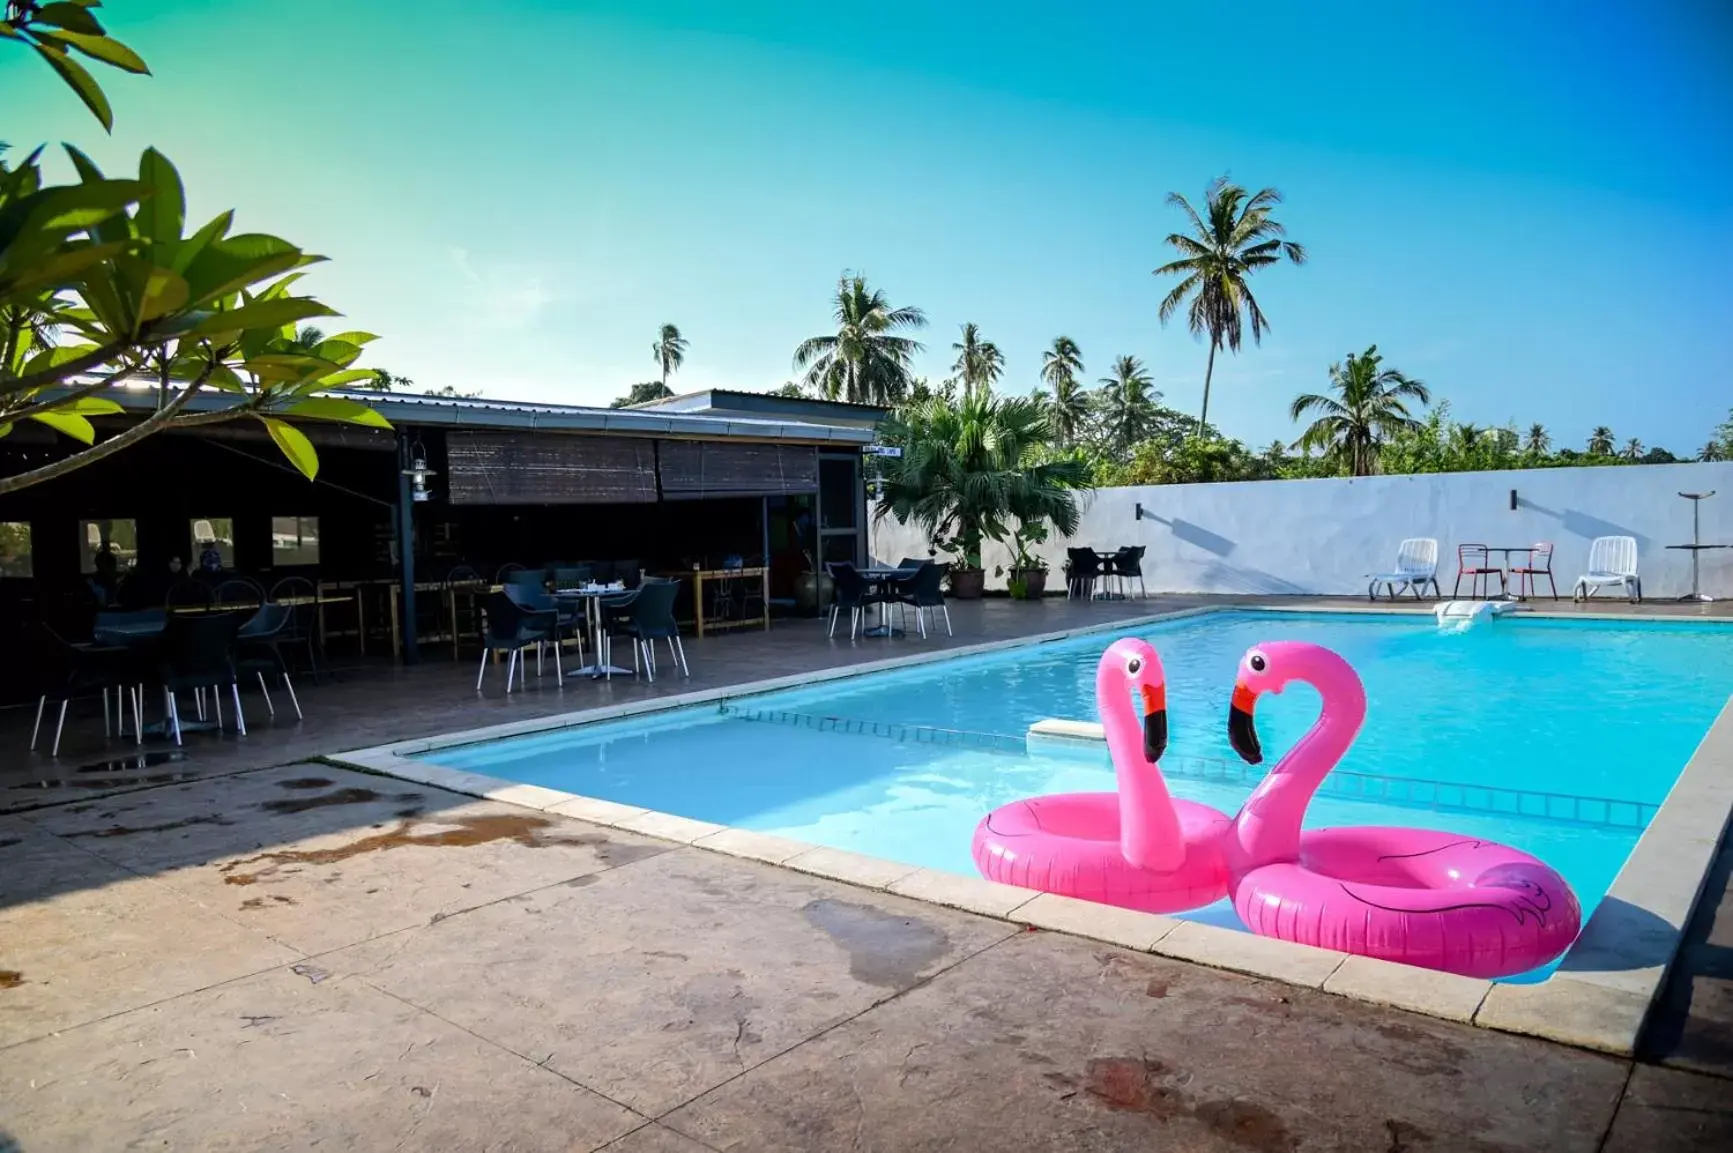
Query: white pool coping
{"x":1599,"y":998}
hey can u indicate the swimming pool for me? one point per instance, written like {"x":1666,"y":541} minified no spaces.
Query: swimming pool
{"x":1558,"y":737}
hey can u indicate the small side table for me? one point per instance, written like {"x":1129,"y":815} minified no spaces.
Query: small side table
{"x":1696,"y":546}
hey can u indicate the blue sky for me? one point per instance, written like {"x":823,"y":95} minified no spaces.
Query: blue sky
{"x":1531,"y":211}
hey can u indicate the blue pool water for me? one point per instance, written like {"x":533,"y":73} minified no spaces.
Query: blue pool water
{"x":1558,"y":737}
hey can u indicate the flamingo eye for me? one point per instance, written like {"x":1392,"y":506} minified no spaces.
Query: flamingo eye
{"x":1258,"y":663}
{"x":1133,"y":665}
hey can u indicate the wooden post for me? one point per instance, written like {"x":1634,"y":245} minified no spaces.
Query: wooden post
{"x":764,"y":577}
{"x":698,"y":600}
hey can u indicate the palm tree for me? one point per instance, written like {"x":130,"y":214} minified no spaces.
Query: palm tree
{"x":1369,"y":406}
{"x":866,"y":361}
{"x":1712,"y":452}
{"x":1601,"y":441}
{"x":1216,"y":259}
{"x":1061,"y":370}
{"x":979,"y":362}
{"x":1633,"y":449}
{"x":669,"y":351}
{"x":1128,"y":402}
{"x":968,"y":472}
{"x":307,"y":338}
{"x":384,"y":380}
{"x":1538,"y":441}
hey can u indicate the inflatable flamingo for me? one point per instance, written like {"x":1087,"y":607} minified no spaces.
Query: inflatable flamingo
{"x":1433,"y":899}
{"x":1138,"y":847}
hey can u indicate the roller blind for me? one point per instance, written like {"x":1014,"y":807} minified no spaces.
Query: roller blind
{"x":548,"y":468}
{"x":694,"y":469}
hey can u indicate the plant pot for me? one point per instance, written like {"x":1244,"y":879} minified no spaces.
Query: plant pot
{"x":1032,"y":580}
{"x":812,"y":592}
{"x":967,"y":584}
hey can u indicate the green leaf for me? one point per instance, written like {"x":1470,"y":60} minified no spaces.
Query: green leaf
{"x":69,"y":424}
{"x":69,"y":17}
{"x":75,"y":207}
{"x":261,"y":314}
{"x":339,"y":352}
{"x":223,"y":377}
{"x":338,"y":409}
{"x":287,"y":366}
{"x":198,"y":241}
{"x":295,"y":446}
{"x":80,"y":82}
{"x":51,"y":357}
{"x":162,"y":215}
{"x":164,"y":292}
{"x":233,"y":262}
{"x":90,"y":406}
{"x":107,"y":50}
{"x":347,"y":376}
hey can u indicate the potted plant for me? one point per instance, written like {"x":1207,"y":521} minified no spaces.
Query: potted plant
{"x":972,"y":465}
{"x":1027,"y":577}
{"x":813,"y":588}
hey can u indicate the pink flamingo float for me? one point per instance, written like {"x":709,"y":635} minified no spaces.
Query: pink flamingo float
{"x":1139,"y":847}
{"x":1434,"y":899}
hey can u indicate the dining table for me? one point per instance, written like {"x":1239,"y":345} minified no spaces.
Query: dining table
{"x":1504,"y":568}
{"x":142,"y":631}
{"x":881,"y":585}
{"x":591,"y":596}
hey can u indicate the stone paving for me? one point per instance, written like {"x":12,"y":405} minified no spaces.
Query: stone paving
{"x":266,"y":953}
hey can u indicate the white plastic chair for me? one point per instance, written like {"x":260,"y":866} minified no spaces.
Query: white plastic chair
{"x":1416,"y":567}
{"x":1612,"y":561}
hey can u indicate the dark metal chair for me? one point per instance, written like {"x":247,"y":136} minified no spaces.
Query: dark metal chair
{"x":510,"y":628}
{"x":258,"y":650}
{"x":188,"y":593}
{"x":242,"y":592}
{"x":1128,"y":565}
{"x":70,"y":670}
{"x":851,"y":593}
{"x":198,"y":652}
{"x":648,"y":616}
{"x":923,"y":591}
{"x":302,"y":629}
{"x":1082,"y":570}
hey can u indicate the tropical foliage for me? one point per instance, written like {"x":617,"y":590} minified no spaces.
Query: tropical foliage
{"x":669,"y":352}
{"x":1234,"y":237}
{"x":867,"y":360}
{"x":979,"y":362}
{"x":1369,"y":405}
{"x":975,"y":469}
{"x":102,"y":284}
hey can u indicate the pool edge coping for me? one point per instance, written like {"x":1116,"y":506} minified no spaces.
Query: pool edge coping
{"x":1603,"y":1009}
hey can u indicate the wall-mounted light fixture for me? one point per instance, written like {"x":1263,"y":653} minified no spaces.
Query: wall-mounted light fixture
{"x":1513,"y":500}
{"x":1139,"y":515}
{"x":418,"y":472}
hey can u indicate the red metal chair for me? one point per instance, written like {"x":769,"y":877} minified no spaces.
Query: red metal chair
{"x":1537,"y":564}
{"x":1474,"y":562}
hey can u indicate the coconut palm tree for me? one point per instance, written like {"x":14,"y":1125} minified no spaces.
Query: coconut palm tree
{"x":1633,"y":449}
{"x":1128,"y":403}
{"x":1369,"y":406}
{"x":979,"y":362}
{"x":866,"y":361}
{"x":1601,"y":441}
{"x":307,"y":338}
{"x":1061,"y":371}
{"x":669,"y":352}
{"x":1234,"y":237}
{"x":1712,"y":452}
{"x":1538,"y":442}
{"x":969,"y":472}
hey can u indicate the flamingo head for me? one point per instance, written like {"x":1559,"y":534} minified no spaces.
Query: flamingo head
{"x":1267,"y":668}
{"x":1130,"y":665}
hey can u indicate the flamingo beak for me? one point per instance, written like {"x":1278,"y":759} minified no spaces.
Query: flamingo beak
{"x":1154,"y":721}
{"x":1242,"y":729}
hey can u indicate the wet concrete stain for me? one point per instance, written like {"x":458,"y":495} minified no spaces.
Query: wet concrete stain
{"x":1140,"y":1085}
{"x":166,"y":826}
{"x":139,"y":761}
{"x":349,"y":796}
{"x":582,"y":882}
{"x":1420,"y":1051}
{"x":10,"y":978}
{"x":468,"y":833}
{"x":305,"y":783}
{"x":1156,"y":988}
{"x":883,"y":949}
{"x":265,"y":903}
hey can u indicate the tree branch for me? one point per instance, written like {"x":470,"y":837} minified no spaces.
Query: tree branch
{"x":76,"y":394}
{"x":156,"y":422}
{"x":51,"y":376}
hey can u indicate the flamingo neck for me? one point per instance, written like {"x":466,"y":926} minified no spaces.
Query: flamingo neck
{"x":1149,"y":830}
{"x":1267,"y":828}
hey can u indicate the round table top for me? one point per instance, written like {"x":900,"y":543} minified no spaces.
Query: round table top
{"x":1699,"y":547}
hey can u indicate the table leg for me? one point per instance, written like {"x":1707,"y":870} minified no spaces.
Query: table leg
{"x":765,"y":578}
{"x":698,"y":602}
{"x":396,"y":627}
{"x":451,"y":601}
{"x":360,"y":621}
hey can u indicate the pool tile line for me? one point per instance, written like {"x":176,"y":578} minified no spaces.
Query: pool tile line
{"x":1600,"y":1008}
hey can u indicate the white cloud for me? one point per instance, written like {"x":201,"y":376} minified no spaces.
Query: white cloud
{"x":501,"y":299}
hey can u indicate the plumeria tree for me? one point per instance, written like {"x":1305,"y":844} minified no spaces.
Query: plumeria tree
{"x":103,"y":285}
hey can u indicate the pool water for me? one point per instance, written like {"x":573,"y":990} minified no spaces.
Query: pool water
{"x":1557,"y":737}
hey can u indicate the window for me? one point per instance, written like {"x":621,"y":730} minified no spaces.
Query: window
{"x":213,"y":543}
{"x":119,"y":538}
{"x":294,"y":541}
{"x":15,"y":549}
{"x":837,"y":492}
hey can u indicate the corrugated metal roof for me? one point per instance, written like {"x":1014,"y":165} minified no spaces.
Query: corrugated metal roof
{"x":482,"y":412}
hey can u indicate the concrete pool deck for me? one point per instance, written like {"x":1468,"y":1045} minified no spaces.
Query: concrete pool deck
{"x":254,"y":957}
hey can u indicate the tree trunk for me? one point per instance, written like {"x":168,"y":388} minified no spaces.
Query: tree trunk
{"x":1209,"y":371}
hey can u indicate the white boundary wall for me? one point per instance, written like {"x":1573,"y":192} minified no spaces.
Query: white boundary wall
{"x":1323,"y":536}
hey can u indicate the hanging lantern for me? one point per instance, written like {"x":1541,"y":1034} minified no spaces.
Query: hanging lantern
{"x":418,"y":472}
